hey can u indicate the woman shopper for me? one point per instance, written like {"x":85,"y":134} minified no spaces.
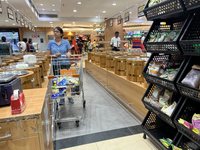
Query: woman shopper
{"x":90,"y":46}
{"x":32,"y":49}
{"x":27,"y":45}
{"x":59,"y":47}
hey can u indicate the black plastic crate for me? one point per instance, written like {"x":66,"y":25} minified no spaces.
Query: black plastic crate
{"x":187,"y":110}
{"x":191,"y":4}
{"x":163,"y":116}
{"x":157,"y":129}
{"x":167,"y":84}
{"x":184,"y":89}
{"x":190,"y":40}
{"x":171,"y":47}
{"x":166,"y":9}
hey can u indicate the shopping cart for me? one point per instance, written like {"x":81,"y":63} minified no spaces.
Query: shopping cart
{"x":66,"y":81}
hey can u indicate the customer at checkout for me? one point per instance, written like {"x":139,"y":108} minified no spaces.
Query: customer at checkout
{"x":115,"y":42}
{"x":60,"y":47}
{"x":3,"y":39}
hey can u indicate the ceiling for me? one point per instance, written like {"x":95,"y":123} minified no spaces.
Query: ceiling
{"x":88,"y":13}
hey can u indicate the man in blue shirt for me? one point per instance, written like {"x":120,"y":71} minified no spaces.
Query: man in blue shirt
{"x":60,"y":47}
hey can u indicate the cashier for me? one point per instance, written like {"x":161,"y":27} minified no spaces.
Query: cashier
{"x":62,"y":50}
{"x":115,"y":42}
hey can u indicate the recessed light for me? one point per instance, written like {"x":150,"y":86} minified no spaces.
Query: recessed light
{"x":17,"y":10}
{"x":73,"y":22}
{"x":142,"y":23}
{"x":140,"y":17}
{"x":79,"y":3}
{"x":43,"y":9}
{"x":50,"y":22}
{"x":13,"y":24}
{"x":104,"y":11}
{"x":41,"y":4}
{"x":6,"y":20}
{"x":97,"y":16}
{"x":114,"y":4}
{"x":74,"y":10}
{"x":124,"y":23}
{"x":35,"y":26}
{"x":130,"y":12}
{"x":53,"y":5}
{"x":54,"y":10}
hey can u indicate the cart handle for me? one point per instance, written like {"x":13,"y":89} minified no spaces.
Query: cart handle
{"x":53,"y":56}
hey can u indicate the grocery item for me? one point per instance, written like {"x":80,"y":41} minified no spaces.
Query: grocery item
{"x":192,"y":79}
{"x":171,"y":36}
{"x":169,"y":110}
{"x":29,"y":59}
{"x":196,"y":123}
{"x":190,"y":146}
{"x":153,"y":2}
{"x":157,"y":92}
{"x":166,"y":142}
{"x":175,"y":148}
{"x":162,"y":37}
{"x":186,"y":124}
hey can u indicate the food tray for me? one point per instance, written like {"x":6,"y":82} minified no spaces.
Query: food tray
{"x":163,"y":116}
{"x":165,"y":83}
{"x":165,"y":9}
{"x":187,"y":110}
{"x":14,"y":67}
{"x":184,"y":89}
{"x":190,"y":40}
{"x":157,"y":129}
{"x":159,"y":26}
{"x":191,"y":4}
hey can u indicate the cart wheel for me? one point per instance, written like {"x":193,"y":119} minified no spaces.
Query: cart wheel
{"x":84,"y":104}
{"x":77,"y":123}
{"x":144,"y":136}
{"x":59,"y":125}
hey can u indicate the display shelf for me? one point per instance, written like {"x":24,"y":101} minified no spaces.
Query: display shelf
{"x":191,"y":4}
{"x":169,"y":85}
{"x":157,"y":129}
{"x":186,"y":112}
{"x":190,"y":40}
{"x":166,"y":9}
{"x":159,"y":113}
{"x":165,"y":25}
{"x":184,"y":89}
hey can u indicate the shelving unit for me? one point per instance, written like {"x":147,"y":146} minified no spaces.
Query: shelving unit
{"x":172,"y":15}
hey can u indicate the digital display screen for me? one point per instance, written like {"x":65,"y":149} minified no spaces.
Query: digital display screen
{"x":136,"y":32}
{"x":12,"y":38}
{"x":130,"y":33}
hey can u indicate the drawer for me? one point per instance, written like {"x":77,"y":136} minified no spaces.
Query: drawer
{"x":18,"y":129}
{"x":31,"y":143}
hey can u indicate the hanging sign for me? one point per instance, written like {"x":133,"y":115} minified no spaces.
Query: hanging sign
{"x":16,"y":17}
{"x":10,"y":13}
{"x":94,"y":27}
{"x":25,"y":24}
{"x":127,"y":16}
{"x":111,"y":22}
{"x":0,"y":8}
{"x":140,"y":11}
{"x":102,"y":26}
{"x":29,"y":26}
{"x":22,"y":21}
{"x":119,"y":19}
{"x":105,"y":25}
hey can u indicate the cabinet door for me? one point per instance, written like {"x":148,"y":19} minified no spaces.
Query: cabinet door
{"x":31,"y":143}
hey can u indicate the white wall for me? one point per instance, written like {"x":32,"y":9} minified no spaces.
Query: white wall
{"x":41,"y":46}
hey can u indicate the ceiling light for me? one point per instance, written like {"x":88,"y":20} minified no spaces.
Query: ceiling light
{"x":41,"y":4}
{"x":35,"y":26}
{"x":114,"y":4}
{"x":97,"y":16}
{"x":13,"y":24}
{"x":6,"y":20}
{"x":43,"y":9}
{"x":17,"y":10}
{"x":124,"y":23}
{"x":142,"y":23}
{"x":50,"y":22}
{"x":53,"y":5}
{"x":140,"y":17}
{"x":73,"y":22}
{"x":74,"y":10}
{"x":54,"y":10}
{"x":79,"y":3}
{"x":104,"y":11}
{"x":130,"y":12}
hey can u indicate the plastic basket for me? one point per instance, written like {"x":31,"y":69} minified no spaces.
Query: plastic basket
{"x":171,"y":25}
{"x":191,"y":4}
{"x":157,"y":129}
{"x":184,"y":89}
{"x":190,"y":40}
{"x":188,"y":109}
{"x":170,"y":85}
{"x":166,"y":9}
{"x":163,"y":116}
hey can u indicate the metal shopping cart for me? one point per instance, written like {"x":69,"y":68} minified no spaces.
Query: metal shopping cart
{"x":66,"y":81}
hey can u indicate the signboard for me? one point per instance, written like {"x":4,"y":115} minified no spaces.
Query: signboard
{"x":94,"y":27}
{"x":111,"y":22}
{"x":102,"y":26}
{"x":0,"y":8}
{"x":25,"y":23}
{"x":35,"y":36}
{"x":105,"y":25}
{"x":127,"y":16}
{"x":22,"y":21}
{"x":29,"y":26}
{"x":119,"y":19}
{"x":140,"y":11}
{"x":10,"y":13}
{"x":16,"y":17}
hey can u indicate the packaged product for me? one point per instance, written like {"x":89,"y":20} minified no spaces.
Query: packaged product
{"x":55,"y":81}
{"x":175,"y":148}
{"x":192,"y":79}
{"x":168,"y":96}
{"x":163,"y":100}
{"x":153,"y":2}
{"x":162,"y":37}
{"x":196,"y":123}
{"x":190,"y":146}
{"x":55,"y":91}
{"x":171,"y":36}
{"x":154,"y":68}
{"x":169,"y":110}
{"x":186,"y":124}
{"x":166,"y":142}
{"x":147,"y":100}
{"x":152,"y":37}
{"x":62,"y":91}
{"x":157,"y":92}
{"x":156,"y":104}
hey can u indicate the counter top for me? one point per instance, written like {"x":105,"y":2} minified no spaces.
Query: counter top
{"x":34,"y":99}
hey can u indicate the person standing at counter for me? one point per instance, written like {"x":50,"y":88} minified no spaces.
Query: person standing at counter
{"x":115,"y":42}
{"x":60,"y":47}
{"x":3,"y":39}
{"x":27,"y":45}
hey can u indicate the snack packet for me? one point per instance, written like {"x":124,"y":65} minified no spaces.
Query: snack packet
{"x":192,"y":79}
{"x":175,"y":148}
{"x":196,"y":123}
{"x":186,"y":124}
{"x":152,"y":37}
{"x":166,"y":142}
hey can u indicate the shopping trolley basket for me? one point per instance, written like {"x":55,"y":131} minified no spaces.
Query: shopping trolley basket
{"x":66,"y":81}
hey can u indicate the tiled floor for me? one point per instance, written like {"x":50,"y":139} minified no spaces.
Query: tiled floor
{"x":133,"y":142}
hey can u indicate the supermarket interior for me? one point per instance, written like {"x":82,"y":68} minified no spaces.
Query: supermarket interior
{"x":99,"y":75}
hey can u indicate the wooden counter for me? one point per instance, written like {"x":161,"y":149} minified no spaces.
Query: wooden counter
{"x":30,"y":130}
{"x":130,"y":92}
